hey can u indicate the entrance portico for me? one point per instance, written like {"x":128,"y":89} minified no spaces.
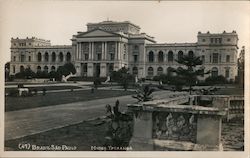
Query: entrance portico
{"x":97,"y":50}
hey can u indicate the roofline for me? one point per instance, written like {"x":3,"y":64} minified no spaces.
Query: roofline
{"x":101,"y":30}
{"x":113,"y":23}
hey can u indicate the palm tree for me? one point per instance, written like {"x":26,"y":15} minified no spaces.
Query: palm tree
{"x":144,"y":93}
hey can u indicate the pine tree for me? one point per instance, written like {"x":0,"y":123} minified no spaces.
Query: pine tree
{"x":189,"y":74}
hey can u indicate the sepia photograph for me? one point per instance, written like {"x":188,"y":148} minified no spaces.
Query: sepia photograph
{"x":124,"y":78}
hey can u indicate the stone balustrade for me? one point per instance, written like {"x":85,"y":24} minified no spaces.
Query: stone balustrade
{"x":167,"y":125}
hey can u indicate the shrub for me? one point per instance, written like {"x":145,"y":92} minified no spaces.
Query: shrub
{"x":216,"y":80}
{"x":13,"y":93}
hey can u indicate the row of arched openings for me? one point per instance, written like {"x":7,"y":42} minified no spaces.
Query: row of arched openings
{"x":46,"y":68}
{"x":170,"y":56}
{"x":159,"y":71}
{"x":53,"y":57}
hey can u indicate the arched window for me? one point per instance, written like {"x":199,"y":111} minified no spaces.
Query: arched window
{"x":61,"y":57}
{"x":111,"y":68}
{"x":227,"y":73}
{"x":159,"y":71}
{"x":190,"y":53}
{"x":85,"y":68}
{"x":39,"y":57}
{"x":46,"y":69}
{"x":53,"y":68}
{"x":21,"y":68}
{"x":38,"y":69}
{"x":179,"y":68}
{"x":160,"y":56}
{"x":151,"y":56}
{"x":214,"y":72}
{"x":170,"y":56}
{"x":135,"y":71}
{"x":180,"y":55}
{"x":53,"y":56}
{"x":170,"y":71}
{"x":150,"y":71}
{"x":46,"y":57}
{"x":68,"y":57}
{"x":228,"y":58}
{"x":136,"y":47}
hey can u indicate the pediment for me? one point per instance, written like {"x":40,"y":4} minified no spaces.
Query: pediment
{"x":97,"y":33}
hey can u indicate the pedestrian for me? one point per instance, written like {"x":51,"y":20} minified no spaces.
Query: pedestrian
{"x":44,"y":91}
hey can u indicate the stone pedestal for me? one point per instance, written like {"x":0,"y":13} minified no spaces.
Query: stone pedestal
{"x":103,"y":71}
{"x":142,"y":135}
{"x":90,"y":70}
{"x":208,"y":130}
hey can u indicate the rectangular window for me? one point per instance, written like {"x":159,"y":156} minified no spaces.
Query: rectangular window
{"x":203,"y":59}
{"x":211,"y":40}
{"x":29,"y":58}
{"x":112,"y":56}
{"x":14,"y":58}
{"x":86,"y":57}
{"x":22,"y":58}
{"x":215,"y":57}
{"x":227,"y":73}
{"x":135,"y":58}
{"x":220,"y":40}
{"x":14,"y":69}
{"x":99,"y":56}
{"x":215,"y":40}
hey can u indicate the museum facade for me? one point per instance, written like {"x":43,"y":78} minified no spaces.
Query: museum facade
{"x":108,"y":46}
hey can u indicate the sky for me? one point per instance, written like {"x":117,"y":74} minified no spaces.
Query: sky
{"x":167,"y":21}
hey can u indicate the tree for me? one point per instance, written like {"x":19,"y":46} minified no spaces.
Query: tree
{"x":7,"y":71}
{"x":26,"y":74}
{"x":122,"y":76}
{"x":189,"y":74}
{"x":241,"y":66}
{"x":144,"y":93}
{"x":66,"y":69}
{"x":120,"y":127}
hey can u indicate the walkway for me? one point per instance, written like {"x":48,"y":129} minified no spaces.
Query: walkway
{"x":31,"y":121}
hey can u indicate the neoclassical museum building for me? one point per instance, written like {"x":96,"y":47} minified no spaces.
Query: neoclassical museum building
{"x":108,"y":46}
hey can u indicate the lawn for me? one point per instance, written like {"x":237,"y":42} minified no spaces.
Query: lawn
{"x":92,"y":133}
{"x":40,"y":88}
{"x":18,"y":103}
{"x":230,"y":91}
{"x":81,"y":135}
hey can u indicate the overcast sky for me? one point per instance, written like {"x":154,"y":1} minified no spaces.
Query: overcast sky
{"x":166,"y":21}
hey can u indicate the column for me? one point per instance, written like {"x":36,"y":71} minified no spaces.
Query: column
{"x":80,"y":54}
{"x":119,"y":51}
{"x":103,"y":51}
{"x":89,"y":50}
{"x":92,"y":51}
{"x":116,"y":52}
{"x":77,"y":51}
